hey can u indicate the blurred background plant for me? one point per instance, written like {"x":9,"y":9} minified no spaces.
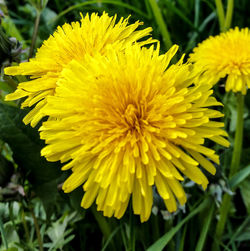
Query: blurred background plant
{"x":34,"y":212}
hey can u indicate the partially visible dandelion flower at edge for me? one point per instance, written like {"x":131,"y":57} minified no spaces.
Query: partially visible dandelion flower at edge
{"x":225,"y":55}
{"x":125,"y":123}
{"x":71,"y":41}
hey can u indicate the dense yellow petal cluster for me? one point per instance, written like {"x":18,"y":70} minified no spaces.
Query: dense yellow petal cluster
{"x":71,"y":41}
{"x":125,"y":122}
{"x":225,"y":55}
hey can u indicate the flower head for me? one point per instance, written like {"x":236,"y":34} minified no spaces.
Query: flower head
{"x":225,"y":55}
{"x":124,"y":123}
{"x":71,"y":41}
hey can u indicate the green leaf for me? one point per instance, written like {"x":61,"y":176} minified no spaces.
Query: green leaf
{"x":48,"y":15}
{"x":245,"y":192}
{"x":26,"y":146}
{"x":60,"y":231}
{"x":10,"y":236}
{"x":239,"y":177}
{"x":164,"y":240}
{"x":4,"y":86}
{"x":2,"y":231}
{"x":12,"y":30}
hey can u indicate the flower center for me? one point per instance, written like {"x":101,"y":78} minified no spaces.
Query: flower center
{"x":132,"y":117}
{"x":238,"y":67}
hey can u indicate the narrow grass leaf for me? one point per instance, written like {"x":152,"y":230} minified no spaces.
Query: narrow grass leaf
{"x":160,"y":22}
{"x":191,"y":42}
{"x":183,"y":237}
{"x":239,"y":177}
{"x":110,"y":238}
{"x":196,"y":13}
{"x":80,"y":5}
{"x":164,"y":240}
{"x":179,"y":13}
{"x":239,"y":231}
{"x":204,"y":230}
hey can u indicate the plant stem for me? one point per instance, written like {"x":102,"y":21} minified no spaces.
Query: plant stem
{"x":162,"y":25}
{"x":26,"y":230}
{"x":220,"y":13}
{"x":235,"y":164}
{"x":238,"y":136}
{"x":132,"y":231}
{"x":221,"y":223}
{"x":35,"y":32}
{"x":38,"y":234}
{"x":155,"y":224}
{"x":229,"y":15}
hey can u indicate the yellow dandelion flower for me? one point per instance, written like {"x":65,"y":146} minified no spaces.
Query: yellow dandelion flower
{"x":71,"y":41}
{"x":225,"y":55}
{"x":124,"y":123}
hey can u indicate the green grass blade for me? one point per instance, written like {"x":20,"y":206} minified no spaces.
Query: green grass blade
{"x":182,"y":242}
{"x":239,"y":177}
{"x":162,"y":25}
{"x":110,"y":238}
{"x":230,"y":232}
{"x":229,"y":14}
{"x":124,"y":237}
{"x":148,"y":8}
{"x":208,"y":19}
{"x":220,"y":13}
{"x":205,"y":228}
{"x":179,"y":13}
{"x":245,"y":223}
{"x":196,"y":13}
{"x":191,"y":42}
{"x":164,"y":240}
{"x":209,"y":4}
{"x":77,"y":6}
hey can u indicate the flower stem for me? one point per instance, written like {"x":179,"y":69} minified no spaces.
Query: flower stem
{"x":162,"y":25}
{"x":238,"y":136}
{"x":229,"y":15}
{"x":220,"y":13}
{"x":235,"y":164}
{"x":25,"y":226}
{"x":35,"y":32}
{"x":38,"y":234}
{"x":132,"y":231}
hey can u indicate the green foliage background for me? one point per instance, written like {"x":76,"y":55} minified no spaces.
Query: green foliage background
{"x":34,"y":212}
